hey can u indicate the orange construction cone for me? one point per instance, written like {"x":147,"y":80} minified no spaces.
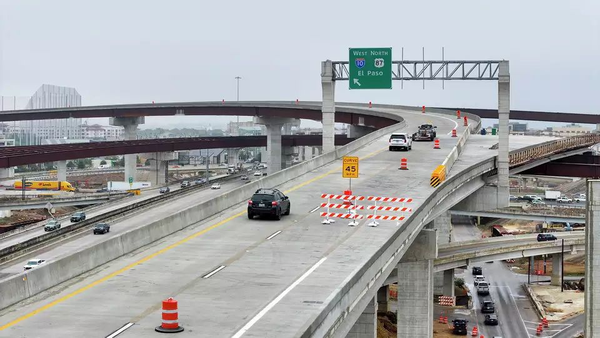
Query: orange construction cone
{"x":458,"y":114}
{"x":170,"y":317}
{"x":441,"y":320}
{"x":403,"y":164}
{"x":466,"y":122}
{"x":453,"y":132}
{"x":423,"y":110}
{"x":538,"y":332}
{"x":445,"y":320}
{"x":545,"y":322}
{"x":474,"y":333}
{"x":436,"y":144}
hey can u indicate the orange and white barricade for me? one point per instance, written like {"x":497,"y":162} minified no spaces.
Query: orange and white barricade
{"x":352,"y":208}
{"x":447,"y":300}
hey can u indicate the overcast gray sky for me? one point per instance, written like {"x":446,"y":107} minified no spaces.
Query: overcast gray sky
{"x":139,"y":51}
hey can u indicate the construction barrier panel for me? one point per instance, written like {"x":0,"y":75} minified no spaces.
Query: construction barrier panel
{"x":438,"y":176}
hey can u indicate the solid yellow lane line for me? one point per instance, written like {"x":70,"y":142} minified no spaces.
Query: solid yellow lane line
{"x":149,"y":257}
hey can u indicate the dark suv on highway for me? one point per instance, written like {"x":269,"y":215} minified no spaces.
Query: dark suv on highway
{"x":459,"y":326}
{"x":78,"y":217}
{"x":270,"y":202}
{"x":546,"y":237}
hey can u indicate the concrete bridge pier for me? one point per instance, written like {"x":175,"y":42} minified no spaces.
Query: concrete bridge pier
{"x":61,"y":167}
{"x":503,"y":149}
{"x":592,"y":261}
{"x":328,"y":106}
{"x":557,"y":270}
{"x":232,"y":156}
{"x":415,"y":287}
{"x":358,"y":131}
{"x":7,"y":172}
{"x":130,"y":125}
{"x":366,"y":325}
{"x":383,"y":299}
{"x":443,"y":225}
{"x":159,"y":166}
{"x":273,"y":126}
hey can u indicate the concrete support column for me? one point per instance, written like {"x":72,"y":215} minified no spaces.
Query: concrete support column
{"x":7,"y":172}
{"x":328,"y":107}
{"x":130,"y":125}
{"x":503,"y":119}
{"x":443,"y":225}
{"x":358,"y":131}
{"x":415,"y":287}
{"x":287,"y":157}
{"x":448,"y":289}
{"x":383,"y":299}
{"x":159,"y":166}
{"x":273,"y":126}
{"x":557,"y":269}
{"x":366,"y":325}
{"x":232,"y":157}
{"x":61,"y":167}
{"x":592,"y":261}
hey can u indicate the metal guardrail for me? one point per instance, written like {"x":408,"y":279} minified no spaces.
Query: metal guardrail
{"x":32,"y":244}
{"x":536,"y":152}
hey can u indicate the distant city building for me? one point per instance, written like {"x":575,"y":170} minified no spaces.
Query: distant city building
{"x":50,"y":96}
{"x":515,"y":127}
{"x":96,"y":131}
{"x":570,"y":130}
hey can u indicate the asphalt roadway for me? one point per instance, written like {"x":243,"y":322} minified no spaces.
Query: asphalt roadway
{"x":62,"y":248}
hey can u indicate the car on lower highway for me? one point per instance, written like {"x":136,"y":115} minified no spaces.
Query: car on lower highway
{"x":52,"y":225}
{"x":78,"y":217}
{"x":101,"y":228}
{"x":244,"y":177}
{"x":268,"y":202}
{"x":186,"y":184}
{"x":33,"y":263}
{"x":459,"y":326}
{"x":546,"y":237}
{"x":487,"y":306}
{"x":257,"y":173}
{"x":164,"y":190}
{"x":216,"y":186}
{"x":491,"y":320}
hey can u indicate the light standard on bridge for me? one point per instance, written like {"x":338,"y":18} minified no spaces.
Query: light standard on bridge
{"x":237,"y":97}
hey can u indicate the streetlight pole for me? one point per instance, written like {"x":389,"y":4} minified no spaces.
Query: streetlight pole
{"x":237,"y":96}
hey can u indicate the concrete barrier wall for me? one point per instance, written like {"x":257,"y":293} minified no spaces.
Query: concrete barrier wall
{"x":456,"y":151}
{"x":55,"y":272}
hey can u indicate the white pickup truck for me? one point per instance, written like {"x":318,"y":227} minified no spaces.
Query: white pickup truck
{"x":400,"y":141}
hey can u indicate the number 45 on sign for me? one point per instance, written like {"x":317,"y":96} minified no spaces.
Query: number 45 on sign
{"x":350,"y":167}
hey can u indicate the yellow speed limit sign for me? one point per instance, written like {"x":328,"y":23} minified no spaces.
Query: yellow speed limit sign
{"x":350,"y":167}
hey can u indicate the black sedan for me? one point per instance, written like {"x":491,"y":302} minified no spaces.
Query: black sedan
{"x":101,"y":228}
{"x":164,"y":190}
{"x":491,"y":320}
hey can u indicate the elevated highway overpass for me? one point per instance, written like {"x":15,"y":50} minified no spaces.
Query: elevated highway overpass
{"x":296,"y":277}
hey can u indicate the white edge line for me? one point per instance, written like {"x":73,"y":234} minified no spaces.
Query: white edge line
{"x":274,"y":234}
{"x":277,"y":299}
{"x":119,"y":331}
{"x":315,"y":209}
{"x":210,"y":274}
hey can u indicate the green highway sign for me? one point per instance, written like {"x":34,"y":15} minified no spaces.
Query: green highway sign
{"x":370,"y":68}
{"x":130,"y":180}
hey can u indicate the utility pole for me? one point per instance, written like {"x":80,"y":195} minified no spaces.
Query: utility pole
{"x":237,"y":96}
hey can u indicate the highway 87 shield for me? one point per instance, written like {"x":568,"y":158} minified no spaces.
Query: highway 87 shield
{"x":350,"y":167}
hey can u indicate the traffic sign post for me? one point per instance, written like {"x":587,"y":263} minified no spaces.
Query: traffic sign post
{"x":130,"y":182}
{"x":370,"y":68}
{"x":350,"y":168}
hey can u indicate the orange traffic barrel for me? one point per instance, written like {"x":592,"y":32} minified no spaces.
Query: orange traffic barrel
{"x":458,"y":114}
{"x":453,"y":132}
{"x":403,"y":164}
{"x":436,"y":144}
{"x":466,"y":122}
{"x":170,"y":317}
